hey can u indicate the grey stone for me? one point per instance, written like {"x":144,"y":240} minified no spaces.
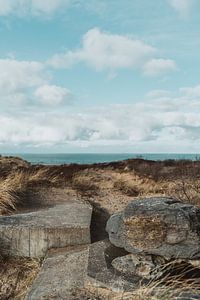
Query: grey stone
{"x":152,"y":267}
{"x":32,"y":234}
{"x":135,"y":265}
{"x":62,"y":271}
{"x":101,"y":274}
{"x":159,"y":226}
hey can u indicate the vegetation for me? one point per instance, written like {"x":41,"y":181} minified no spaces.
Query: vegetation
{"x":16,"y":275}
{"x":108,"y":187}
{"x":15,"y":185}
{"x":155,"y":290}
{"x":118,"y":181}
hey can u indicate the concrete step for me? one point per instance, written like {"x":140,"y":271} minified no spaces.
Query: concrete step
{"x":32,"y":234}
{"x":63,"y":270}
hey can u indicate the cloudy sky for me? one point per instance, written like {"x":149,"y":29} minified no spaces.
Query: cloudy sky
{"x":99,"y":76}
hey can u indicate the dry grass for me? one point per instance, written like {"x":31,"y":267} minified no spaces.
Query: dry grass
{"x":129,"y":188}
{"x":171,"y":283}
{"x":129,"y":181}
{"x":156,"y":292}
{"x":112,"y":189}
{"x":14,"y":187}
{"x":152,"y":291}
{"x":188,"y":190}
{"x":16,"y":275}
{"x":85,"y":184}
{"x":168,"y":287}
{"x":11,"y":190}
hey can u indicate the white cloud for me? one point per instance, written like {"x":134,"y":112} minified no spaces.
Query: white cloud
{"x":5,"y":7}
{"x":159,"y":66}
{"x":158,"y":94}
{"x":106,"y":51}
{"x":53,"y":95}
{"x":27,"y":83}
{"x":31,"y":7}
{"x":49,"y":7}
{"x":192,"y":92}
{"x":15,"y":75}
{"x":22,"y":8}
{"x":182,"y":7}
{"x":168,"y":121}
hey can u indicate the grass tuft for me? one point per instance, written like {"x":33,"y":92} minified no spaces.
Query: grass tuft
{"x":16,"y":276}
{"x":14,"y":187}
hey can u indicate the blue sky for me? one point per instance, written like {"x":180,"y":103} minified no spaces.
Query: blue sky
{"x":99,"y":76}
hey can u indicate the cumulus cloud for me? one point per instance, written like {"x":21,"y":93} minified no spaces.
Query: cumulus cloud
{"x":159,"y":66}
{"x":105,"y":51}
{"x":27,"y":83}
{"x":19,"y":74}
{"x":16,"y":77}
{"x":182,"y":7}
{"x":53,"y":95}
{"x":31,"y":7}
{"x":160,"y":121}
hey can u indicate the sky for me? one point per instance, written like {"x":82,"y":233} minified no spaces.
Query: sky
{"x":114,"y":76}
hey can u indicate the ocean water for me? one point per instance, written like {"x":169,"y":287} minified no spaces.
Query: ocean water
{"x":89,"y":158}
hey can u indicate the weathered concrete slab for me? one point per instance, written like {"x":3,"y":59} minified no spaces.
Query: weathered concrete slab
{"x":62,"y":271}
{"x":32,"y":234}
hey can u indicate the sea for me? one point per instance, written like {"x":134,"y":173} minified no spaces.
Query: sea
{"x":90,"y":158}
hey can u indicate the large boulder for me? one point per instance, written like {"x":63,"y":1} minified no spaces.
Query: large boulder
{"x":159,"y":226}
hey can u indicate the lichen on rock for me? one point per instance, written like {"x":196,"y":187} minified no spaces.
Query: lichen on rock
{"x":158,"y":226}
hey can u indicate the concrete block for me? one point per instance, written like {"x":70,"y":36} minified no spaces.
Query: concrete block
{"x":63,"y":270}
{"x":32,"y":234}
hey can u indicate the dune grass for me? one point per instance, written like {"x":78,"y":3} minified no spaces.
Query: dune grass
{"x":91,"y":183}
{"x":11,"y":191}
{"x":109,"y":187}
{"x":16,"y":276}
{"x":152,"y":291}
{"x":13,"y":187}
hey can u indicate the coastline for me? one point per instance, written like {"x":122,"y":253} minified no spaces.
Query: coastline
{"x":91,"y":158}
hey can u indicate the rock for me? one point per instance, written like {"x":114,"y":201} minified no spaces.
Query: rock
{"x":101,"y":274}
{"x":61,"y":272}
{"x":159,"y":226}
{"x":155,"y":267}
{"x":32,"y":234}
{"x":135,"y":265}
